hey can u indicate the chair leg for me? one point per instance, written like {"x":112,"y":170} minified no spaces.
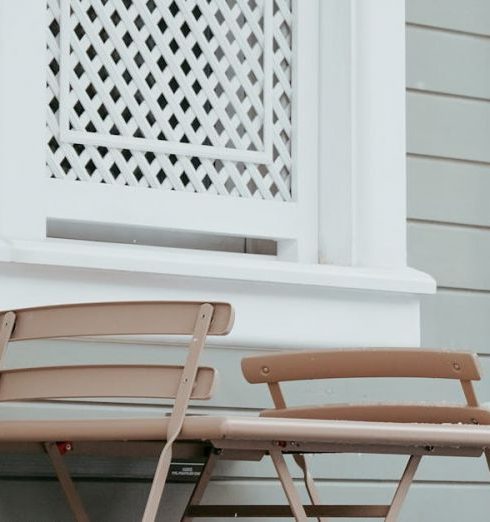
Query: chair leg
{"x":487,"y":456}
{"x":309,"y":483}
{"x":202,"y":483}
{"x":403,"y":487}
{"x":66,"y":482}
{"x":177,"y":416}
{"x":158,"y":484}
{"x":288,"y":485}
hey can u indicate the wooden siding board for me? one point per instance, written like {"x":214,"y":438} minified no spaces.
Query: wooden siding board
{"x":458,"y":319}
{"x":425,"y":502}
{"x":448,"y":63}
{"x":471,"y":16}
{"x":448,"y":191}
{"x":456,"y":256}
{"x":448,"y":127}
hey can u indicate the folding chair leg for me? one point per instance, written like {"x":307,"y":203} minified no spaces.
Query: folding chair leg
{"x":309,"y":483}
{"x":403,"y":487}
{"x":177,"y":416}
{"x":66,"y":482}
{"x":487,"y":456}
{"x":202,"y":483}
{"x":158,"y":484}
{"x":288,"y":485}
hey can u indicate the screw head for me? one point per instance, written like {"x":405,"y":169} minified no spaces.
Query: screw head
{"x":280,"y":443}
{"x":265,"y":370}
{"x":456,"y":366}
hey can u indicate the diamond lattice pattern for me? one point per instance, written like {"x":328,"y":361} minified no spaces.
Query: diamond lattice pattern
{"x":184,"y":73}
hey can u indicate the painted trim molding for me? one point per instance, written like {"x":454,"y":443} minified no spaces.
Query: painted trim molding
{"x":209,"y":265}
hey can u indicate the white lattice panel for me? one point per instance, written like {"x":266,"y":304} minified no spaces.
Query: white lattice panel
{"x":186,"y":95}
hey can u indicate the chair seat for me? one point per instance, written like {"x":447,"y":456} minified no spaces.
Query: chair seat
{"x":385,"y":412}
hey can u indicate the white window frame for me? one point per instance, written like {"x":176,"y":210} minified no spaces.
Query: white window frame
{"x":361,"y":220}
{"x":292,"y":224}
{"x":362,"y":144}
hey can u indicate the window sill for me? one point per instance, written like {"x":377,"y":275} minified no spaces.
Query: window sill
{"x":211,"y":265}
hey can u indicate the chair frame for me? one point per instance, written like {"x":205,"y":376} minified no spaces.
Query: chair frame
{"x":273,"y":369}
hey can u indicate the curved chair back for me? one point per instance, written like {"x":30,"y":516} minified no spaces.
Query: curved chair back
{"x":273,"y":369}
{"x":111,"y":318}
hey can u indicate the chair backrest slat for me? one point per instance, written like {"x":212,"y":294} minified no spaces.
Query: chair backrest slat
{"x":112,"y":318}
{"x":369,"y":362}
{"x":145,"y":381}
{"x":120,"y":318}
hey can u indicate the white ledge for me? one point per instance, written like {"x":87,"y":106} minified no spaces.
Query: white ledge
{"x":211,"y":265}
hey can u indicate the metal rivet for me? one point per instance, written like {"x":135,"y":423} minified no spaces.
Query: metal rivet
{"x":474,"y":421}
{"x":456,"y":366}
{"x":265,"y":369}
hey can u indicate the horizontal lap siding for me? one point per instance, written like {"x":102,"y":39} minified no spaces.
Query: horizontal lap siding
{"x":458,"y":318}
{"x":463,"y":198}
{"x":457,"y":256}
{"x":448,"y":173}
{"x":445,"y":62}
{"x":448,"y":127}
{"x":471,"y":16}
{"x":121,"y":501}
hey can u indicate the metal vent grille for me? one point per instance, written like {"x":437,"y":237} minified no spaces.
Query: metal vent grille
{"x":185,"y":95}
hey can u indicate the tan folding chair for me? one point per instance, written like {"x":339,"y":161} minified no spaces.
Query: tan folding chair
{"x":416,"y":429}
{"x":181,"y":383}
